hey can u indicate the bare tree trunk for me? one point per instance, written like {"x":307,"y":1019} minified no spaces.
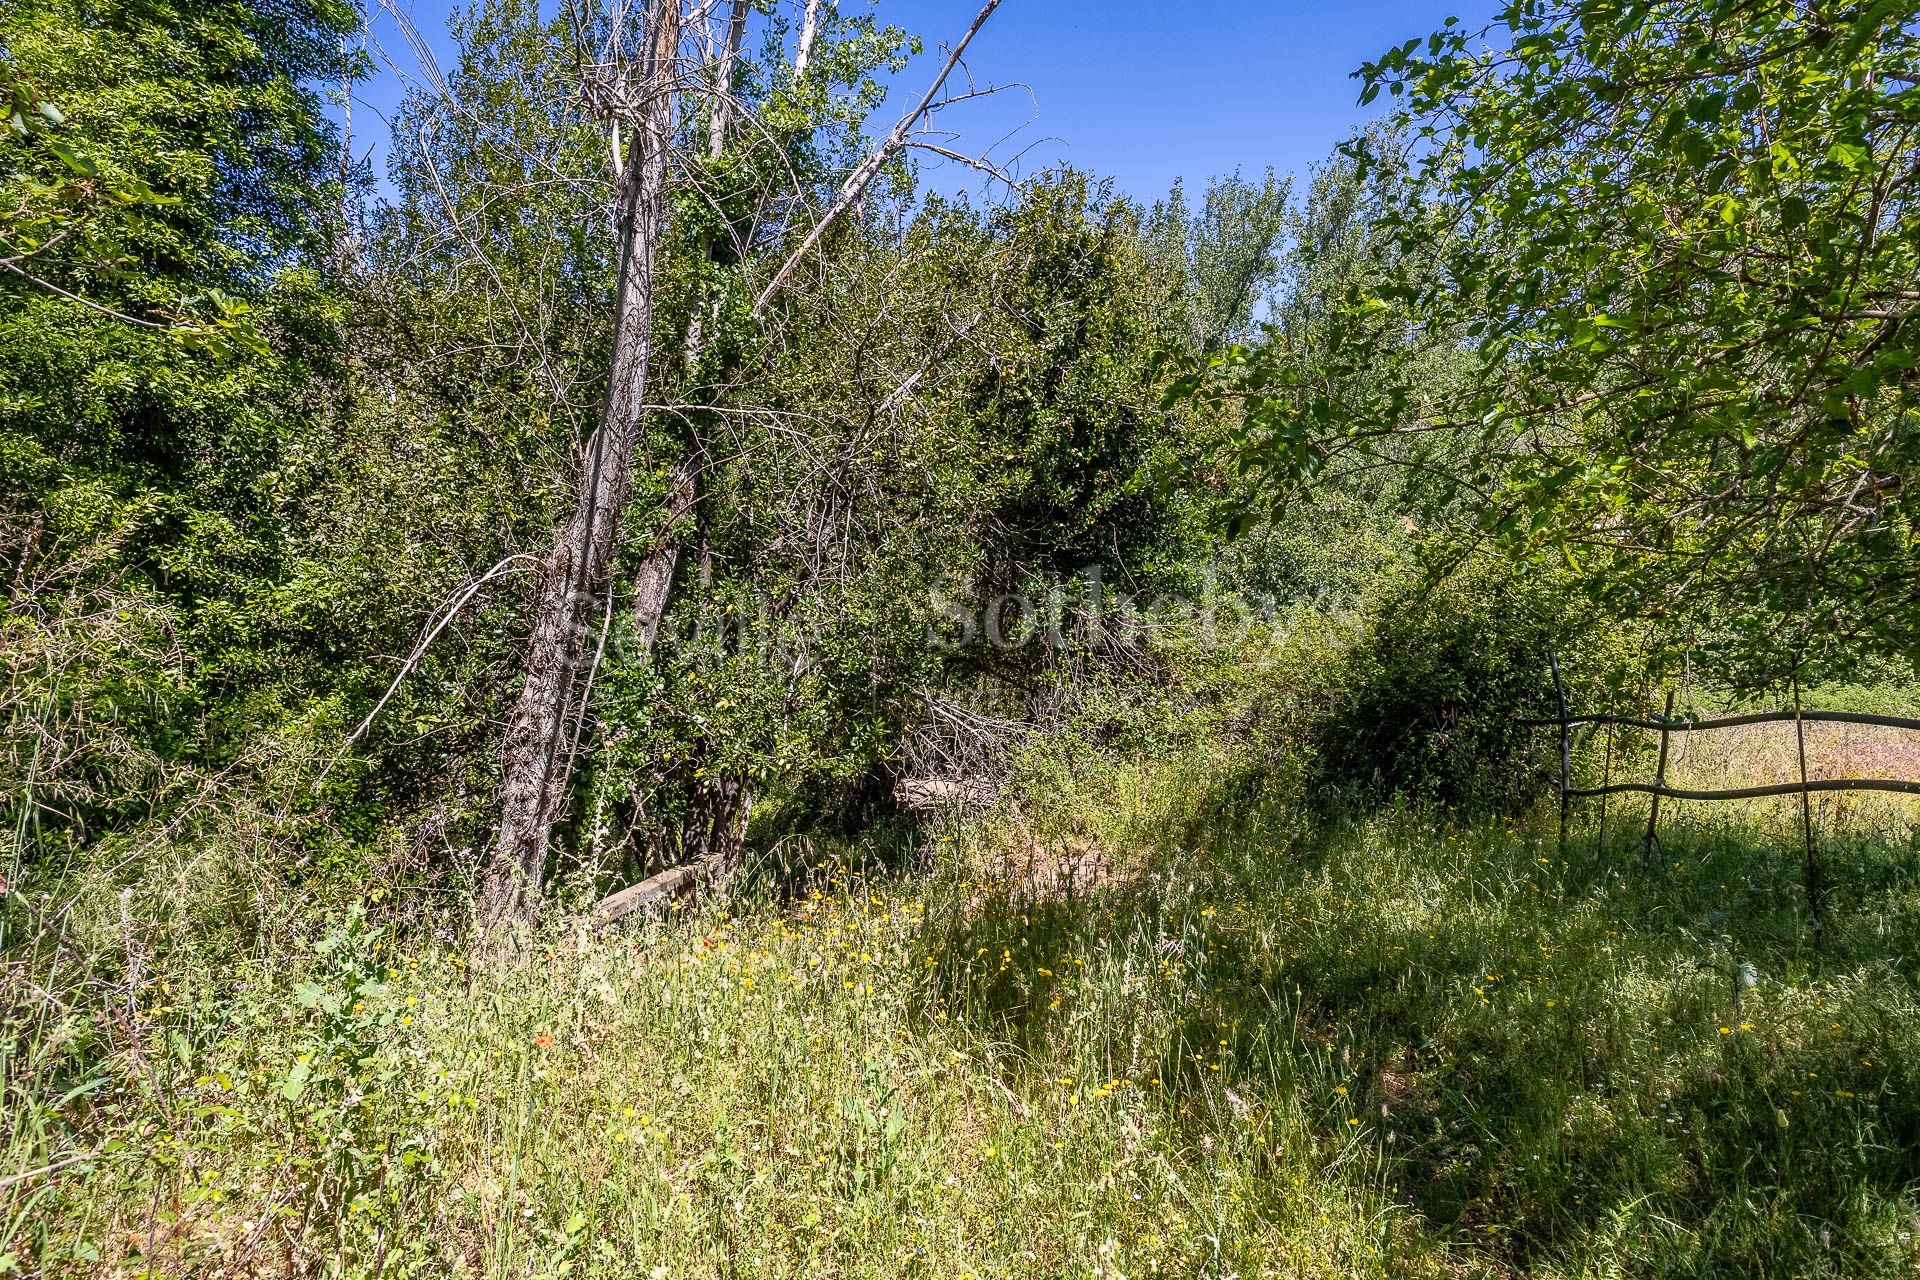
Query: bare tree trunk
{"x":653,"y":581}
{"x":723,"y":80}
{"x":574,"y":573}
{"x":809,"y":32}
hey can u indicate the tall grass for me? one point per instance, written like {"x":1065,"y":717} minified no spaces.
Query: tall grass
{"x":1259,"y":1044}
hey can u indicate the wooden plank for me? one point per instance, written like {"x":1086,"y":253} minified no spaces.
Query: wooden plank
{"x":672,"y":882}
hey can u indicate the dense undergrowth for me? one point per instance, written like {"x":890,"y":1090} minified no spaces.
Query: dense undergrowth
{"x":1225,"y":546}
{"x":1249,"y":1040}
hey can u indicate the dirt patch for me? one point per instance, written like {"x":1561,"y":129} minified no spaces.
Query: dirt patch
{"x":1026,"y":865}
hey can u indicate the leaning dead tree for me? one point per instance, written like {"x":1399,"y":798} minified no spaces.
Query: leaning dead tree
{"x":636,"y":88}
{"x":573,"y":574}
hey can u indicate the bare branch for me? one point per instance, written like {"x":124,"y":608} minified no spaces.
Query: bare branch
{"x":863,"y":175}
{"x":981,"y":163}
{"x":74,"y":297}
{"x":446,"y":615}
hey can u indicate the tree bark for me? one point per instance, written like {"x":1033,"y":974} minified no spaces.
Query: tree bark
{"x":722,"y":111}
{"x":653,"y":581}
{"x":574,"y":572}
{"x":809,"y":32}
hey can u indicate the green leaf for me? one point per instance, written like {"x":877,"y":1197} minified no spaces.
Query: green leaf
{"x":72,"y":159}
{"x":296,"y":1082}
{"x":1847,"y":155}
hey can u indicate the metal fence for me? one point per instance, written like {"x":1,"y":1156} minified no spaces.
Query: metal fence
{"x":1668,"y":724}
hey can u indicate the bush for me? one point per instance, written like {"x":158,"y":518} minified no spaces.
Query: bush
{"x":1432,"y":698}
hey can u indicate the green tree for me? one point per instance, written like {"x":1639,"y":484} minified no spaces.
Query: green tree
{"x":1678,"y":241}
{"x":170,"y":185}
{"x":1230,"y":254}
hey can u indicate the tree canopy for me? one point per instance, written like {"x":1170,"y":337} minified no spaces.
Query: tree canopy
{"x":1676,"y":243}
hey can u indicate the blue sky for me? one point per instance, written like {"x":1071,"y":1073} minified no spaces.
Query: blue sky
{"x":1142,"y":90}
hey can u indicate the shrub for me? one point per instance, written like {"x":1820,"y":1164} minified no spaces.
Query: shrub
{"x":1430,"y":701}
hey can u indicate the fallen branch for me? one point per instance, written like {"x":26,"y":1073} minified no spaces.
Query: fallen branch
{"x":55,"y":1167}
{"x":674,"y":882}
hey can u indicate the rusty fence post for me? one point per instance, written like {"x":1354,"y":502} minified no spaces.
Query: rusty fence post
{"x":1652,"y":840}
{"x":1812,"y":869}
{"x":1566,"y":747}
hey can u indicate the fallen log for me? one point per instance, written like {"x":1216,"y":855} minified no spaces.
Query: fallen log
{"x":674,"y":882}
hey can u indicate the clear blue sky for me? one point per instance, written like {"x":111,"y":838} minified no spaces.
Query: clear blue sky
{"x":1142,"y":90}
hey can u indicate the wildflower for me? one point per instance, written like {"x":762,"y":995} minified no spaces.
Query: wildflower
{"x":543,"y":1041}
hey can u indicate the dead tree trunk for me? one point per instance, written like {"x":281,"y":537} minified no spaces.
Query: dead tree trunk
{"x":573,"y":574}
{"x":653,"y":580}
{"x":809,"y":32}
{"x":714,"y":837}
{"x":722,"y":110}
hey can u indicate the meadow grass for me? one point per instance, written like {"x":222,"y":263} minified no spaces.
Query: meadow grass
{"x":1261,"y":1043}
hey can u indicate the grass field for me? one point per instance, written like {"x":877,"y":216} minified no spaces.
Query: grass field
{"x":1233,"y":1042}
